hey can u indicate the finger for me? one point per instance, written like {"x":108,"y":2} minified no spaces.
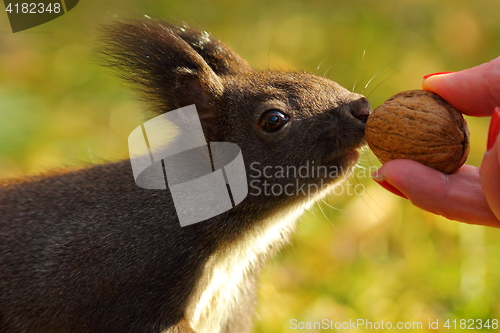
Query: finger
{"x":490,"y":177}
{"x":474,"y":91}
{"x":457,"y":197}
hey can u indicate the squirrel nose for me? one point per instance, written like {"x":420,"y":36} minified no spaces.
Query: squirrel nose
{"x":360,"y":108}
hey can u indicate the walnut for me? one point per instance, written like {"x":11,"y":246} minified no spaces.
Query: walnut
{"x":422,"y":126}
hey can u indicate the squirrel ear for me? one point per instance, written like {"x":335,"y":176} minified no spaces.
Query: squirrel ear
{"x":220,"y":57}
{"x":172,"y":66}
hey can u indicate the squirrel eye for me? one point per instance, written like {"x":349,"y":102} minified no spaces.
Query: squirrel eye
{"x":273,"y":120}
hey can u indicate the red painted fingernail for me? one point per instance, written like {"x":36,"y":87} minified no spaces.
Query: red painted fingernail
{"x":390,"y":188}
{"x":494,"y":128}
{"x":438,"y":73}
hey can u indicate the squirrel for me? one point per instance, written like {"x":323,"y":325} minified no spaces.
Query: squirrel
{"x":88,"y":251}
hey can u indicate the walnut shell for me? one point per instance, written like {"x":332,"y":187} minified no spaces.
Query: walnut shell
{"x":422,"y":126}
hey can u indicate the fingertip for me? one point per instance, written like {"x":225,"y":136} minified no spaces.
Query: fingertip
{"x":435,"y":82}
{"x":381,"y":175}
{"x":390,"y":188}
{"x":434,"y":74}
{"x":473,"y":91}
{"x":410,"y":177}
{"x":457,"y":197}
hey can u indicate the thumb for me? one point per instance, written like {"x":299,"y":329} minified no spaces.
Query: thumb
{"x":474,"y":91}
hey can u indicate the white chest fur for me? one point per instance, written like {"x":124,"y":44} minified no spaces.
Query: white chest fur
{"x":222,"y":286}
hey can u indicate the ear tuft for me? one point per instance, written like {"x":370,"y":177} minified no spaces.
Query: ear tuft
{"x":171,"y":66}
{"x":222,"y":59}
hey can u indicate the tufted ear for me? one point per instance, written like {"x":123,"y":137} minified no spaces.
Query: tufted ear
{"x":172,"y":66}
{"x":217,"y":55}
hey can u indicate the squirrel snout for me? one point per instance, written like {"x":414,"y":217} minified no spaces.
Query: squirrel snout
{"x":360,"y":108}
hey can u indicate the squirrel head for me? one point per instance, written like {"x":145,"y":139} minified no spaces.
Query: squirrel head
{"x":277,"y":118}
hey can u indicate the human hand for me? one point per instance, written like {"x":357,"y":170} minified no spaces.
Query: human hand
{"x":471,"y":195}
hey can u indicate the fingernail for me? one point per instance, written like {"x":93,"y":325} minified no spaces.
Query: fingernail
{"x":494,"y":128}
{"x":438,"y":73}
{"x":390,"y":188}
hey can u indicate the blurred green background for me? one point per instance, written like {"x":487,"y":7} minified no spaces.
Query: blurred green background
{"x":372,"y":256}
